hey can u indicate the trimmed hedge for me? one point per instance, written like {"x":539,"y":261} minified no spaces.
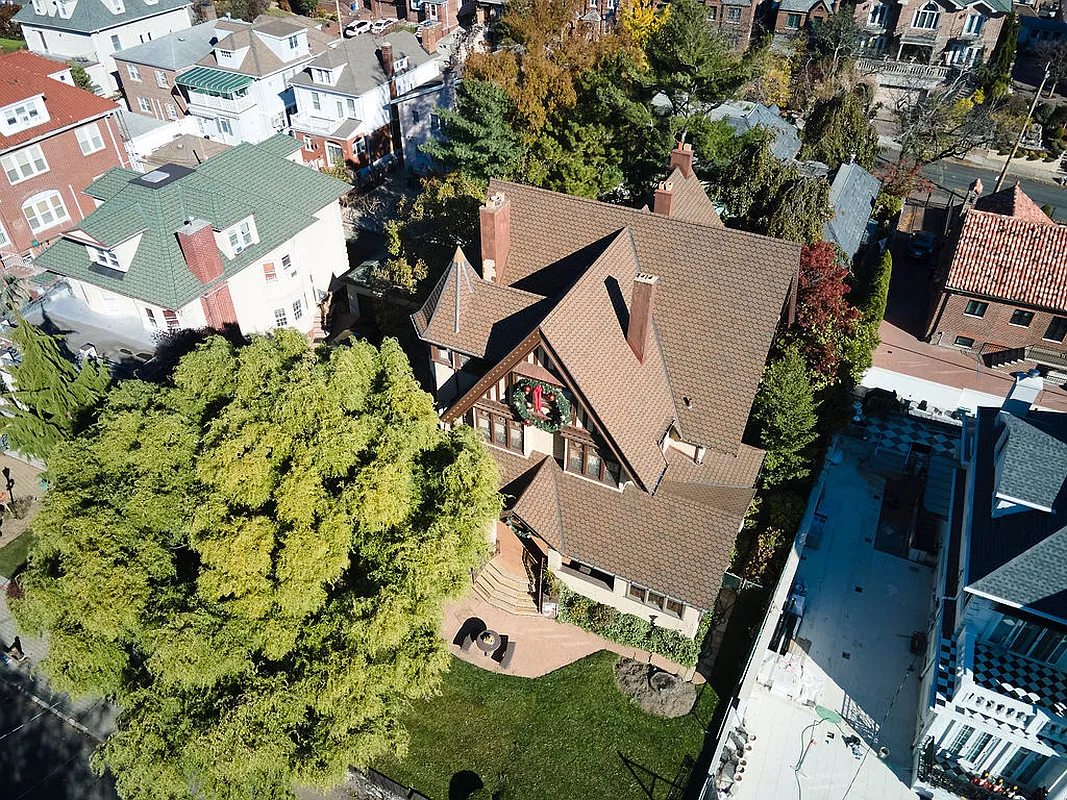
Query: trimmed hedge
{"x":630,"y":630}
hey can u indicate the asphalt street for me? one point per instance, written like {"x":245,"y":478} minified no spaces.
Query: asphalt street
{"x":953,"y":176}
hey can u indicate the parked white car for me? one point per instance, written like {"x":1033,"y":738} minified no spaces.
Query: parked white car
{"x":356,"y":27}
{"x":379,"y":25}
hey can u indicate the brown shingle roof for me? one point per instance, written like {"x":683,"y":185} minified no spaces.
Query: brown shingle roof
{"x":1013,"y":202}
{"x":666,"y":542}
{"x":719,"y":298}
{"x":1011,"y":258}
{"x":691,"y":202}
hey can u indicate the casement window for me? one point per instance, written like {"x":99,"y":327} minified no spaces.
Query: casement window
{"x":45,"y":210}
{"x":499,"y":429}
{"x":964,"y":341}
{"x":928,"y":17}
{"x":287,"y":265}
{"x":359,"y":147}
{"x":309,"y":143}
{"x":792,"y":22}
{"x":975,"y":24}
{"x":241,"y":238}
{"x":270,"y":275}
{"x":974,"y":750}
{"x":161,"y":79}
{"x":975,"y":308}
{"x":351,"y":107}
{"x":877,"y":15}
{"x":116,"y":42}
{"x":225,"y":127}
{"x":294,"y":42}
{"x":171,"y":318}
{"x":281,"y":319}
{"x":150,"y":314}
{"x":298,"y":308}
{"x":652,"y":598}
{"x":89,"y":138}
{"x":24,"y":163}
{"x":340,"y":108}
{"x":105,"y":258}
{"x":134,"y":72}
{"x":962,"y":734}
{"x":334,"y":154}
{"x":585,"y":459}
{"x":172,"y":112}
{"x":1030,"y":640}
{"x":144,"y":105}
{"x":1057,"y":330}
{"x":1021,"y":318}
{"x":22,"y":114}
{"x":733,"y":14}
{"x":316,"y":103}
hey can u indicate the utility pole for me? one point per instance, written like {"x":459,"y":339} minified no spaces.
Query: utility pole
{"x":1026,"y":125}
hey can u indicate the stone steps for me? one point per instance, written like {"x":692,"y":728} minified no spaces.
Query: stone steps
{"x":505,"y":591}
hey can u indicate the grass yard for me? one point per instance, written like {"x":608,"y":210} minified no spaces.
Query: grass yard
{"x":11,"y":45}
{"x":14,"y":555}
{"x":561,"y":736}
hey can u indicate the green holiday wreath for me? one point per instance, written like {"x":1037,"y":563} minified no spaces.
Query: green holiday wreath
{"x":555,"y":405}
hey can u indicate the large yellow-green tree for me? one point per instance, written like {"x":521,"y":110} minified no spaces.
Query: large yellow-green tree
{"x":251,"y":562}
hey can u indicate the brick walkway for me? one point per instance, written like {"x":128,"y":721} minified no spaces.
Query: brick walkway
{"x":541,"y":645}
{"x":27,"y":484}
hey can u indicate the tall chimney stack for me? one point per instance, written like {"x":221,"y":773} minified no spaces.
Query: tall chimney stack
{"x":682,"y":158}
{"x":387,"y":58}
{"x":495,"y":223}
{"x":639,"y":328}
{"x":664,"y":200}
{"x":197,"y":242}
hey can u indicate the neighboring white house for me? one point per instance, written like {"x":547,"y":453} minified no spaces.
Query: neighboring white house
{"x":250,"y":238}
{"x":239,"y":92}
{"x":343,"y":97}
{"x":993,"y":691}
{"x":89,"y":32}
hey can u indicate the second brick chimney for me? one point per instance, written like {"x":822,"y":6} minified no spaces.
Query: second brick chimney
{"x":387,"y":59}
{"x":642,"y":301}
{"x":197,"y":241}
{"x":664,"y":202}
{"x":682,"y":158}
{"x":495,"y":223}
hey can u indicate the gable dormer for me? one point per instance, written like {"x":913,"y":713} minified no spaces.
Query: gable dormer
{"x":23,"y":115}
{"x":326,"y":76}
{"x":231,"y":58}
{"x":116,"y":7}
{"x":65,"y":8}
{"x":287,"y":45}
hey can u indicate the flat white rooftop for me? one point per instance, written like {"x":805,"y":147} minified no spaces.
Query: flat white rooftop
{"x":851,"y":655}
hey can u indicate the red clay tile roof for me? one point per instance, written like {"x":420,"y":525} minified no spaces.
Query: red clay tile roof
{"x":1012,"y":259}
{"x":673,"y":544}
{"x":24,"y":74}
{"x":1013,"y":202}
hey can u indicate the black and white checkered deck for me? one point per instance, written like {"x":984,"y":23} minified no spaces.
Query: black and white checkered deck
{"x":1013,"y":675}
{"x":901,"y":432}
{"x":947,"y":672}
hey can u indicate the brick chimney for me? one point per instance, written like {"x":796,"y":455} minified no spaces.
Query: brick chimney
{"x":682,"y":158}
{"x":495,"y":219}
{"x":387,"y":58}
{"x":664,"y":202}
{"x":642,"y":301}
{"x":197,"y":242}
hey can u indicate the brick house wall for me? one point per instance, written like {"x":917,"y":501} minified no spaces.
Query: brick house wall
{"x":69,"y":172}
{"x":733,"y":20}
{"x":991,"y":332}
{"x":378,"y":144}
{"x":146,"y":94}
{"x":816,"y":14}
{"x":950,"y":34}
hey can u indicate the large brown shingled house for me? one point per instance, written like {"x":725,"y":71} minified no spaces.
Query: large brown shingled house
{"x":610,"y":356}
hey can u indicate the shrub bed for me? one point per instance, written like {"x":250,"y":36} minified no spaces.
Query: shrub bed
{"x":630,"y":630}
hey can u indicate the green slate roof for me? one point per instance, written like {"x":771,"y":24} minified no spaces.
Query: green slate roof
{"x":90,"y":16}
{"x":248,"y":179}
{"x":213,"y":81}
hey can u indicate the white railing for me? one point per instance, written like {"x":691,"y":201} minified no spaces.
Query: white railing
{"x":236,"y":104}
{"x":904,"y":69}
{"x":310,"y":124}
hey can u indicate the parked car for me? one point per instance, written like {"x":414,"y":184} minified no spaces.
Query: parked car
{"x":922,"y":245}
{"x":379,"y":25}
{"x":356,"y":27}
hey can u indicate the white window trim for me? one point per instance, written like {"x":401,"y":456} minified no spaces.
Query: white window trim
{"x":134,"y":72}
{"x":46,"y":197}
{"x":90,"y":135}
{"x":11,"y":163}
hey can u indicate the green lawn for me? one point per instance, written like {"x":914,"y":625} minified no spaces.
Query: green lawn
{"x":14,"y":555}
{"x":558,"y":736}
{"x":11,"y":45}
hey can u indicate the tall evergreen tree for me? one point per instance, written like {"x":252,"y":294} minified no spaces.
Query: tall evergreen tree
{"x":51,"y":395}
{"x":252,"y":561}
{"x":785,"y":412}
{"x":839,"y":130}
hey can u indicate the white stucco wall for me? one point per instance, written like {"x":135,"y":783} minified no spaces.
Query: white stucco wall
{"x":254,"y":118}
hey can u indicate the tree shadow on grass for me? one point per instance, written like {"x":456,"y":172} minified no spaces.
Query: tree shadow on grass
{"x":464,"y":784}
{"x":656,"y":786}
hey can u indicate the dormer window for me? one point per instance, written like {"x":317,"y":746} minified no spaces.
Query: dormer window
{"x":38,"y":7}
{"x":400,"y":65}
{"x":105,"y":258}
{"x":22,"y":115}
{"x":241,"y":237}
{"x":322,"y":76}
{"x":294,"y":42}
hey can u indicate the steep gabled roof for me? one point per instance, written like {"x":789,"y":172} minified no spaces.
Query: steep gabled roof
{"x":24,"y":74}
{"x":1013,"y":202}
{"x":852,"y":196}
{"x":691,"y":202}
{"x":90,"y":16}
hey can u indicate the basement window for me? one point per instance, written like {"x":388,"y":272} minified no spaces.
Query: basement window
{"x":964,"y":341}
